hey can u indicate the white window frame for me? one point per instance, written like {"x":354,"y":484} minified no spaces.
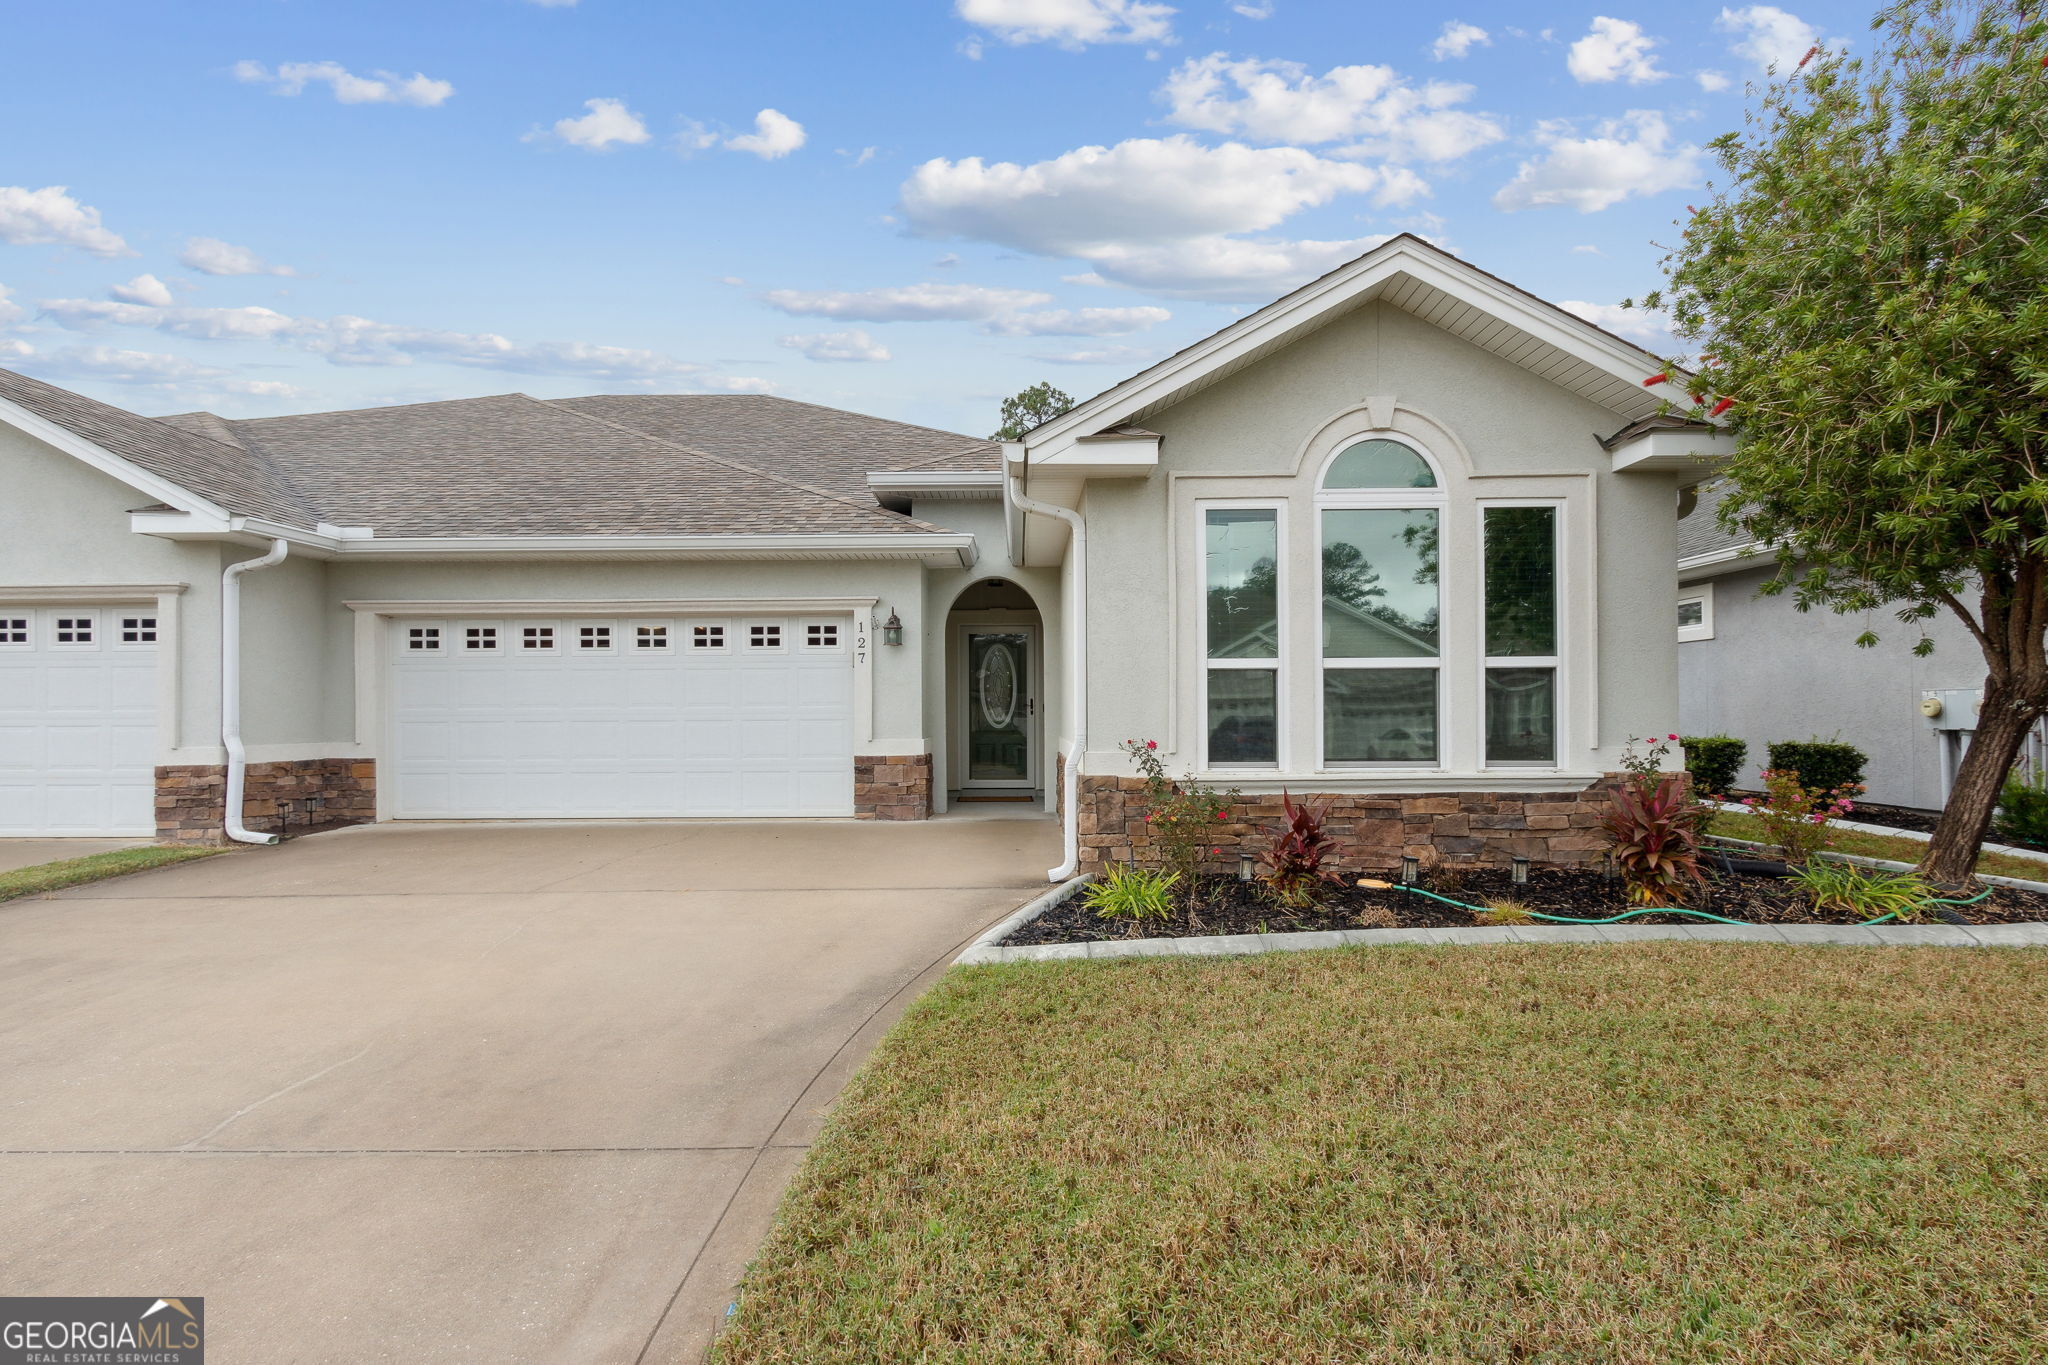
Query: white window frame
{"x":146,"y":620}
{"x":607,"y":631}
{"x":1277,"y":665}
{"x":837,"y":644}
{"x":1555,"y":662}
{"x":663,"y":631}
{"x":716,"y":636}
{"x":426,"y":637}
{"x":1436,"y":499}
{"x":28,"y":621}
{"x":492,"y":635}
{"x":781,"y":637}
{"x":1702,"y":593}
{"x":549,"y":643}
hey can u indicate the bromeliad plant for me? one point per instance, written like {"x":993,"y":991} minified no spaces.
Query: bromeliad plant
{"x":1184,"y":815}
{"x":1294,"y":863}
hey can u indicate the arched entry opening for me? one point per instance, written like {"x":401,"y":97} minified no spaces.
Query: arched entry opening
{"x":995,"y":698}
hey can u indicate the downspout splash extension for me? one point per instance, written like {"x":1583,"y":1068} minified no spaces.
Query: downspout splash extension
{"x":231,"y":690}
{"x":1076,"y":609}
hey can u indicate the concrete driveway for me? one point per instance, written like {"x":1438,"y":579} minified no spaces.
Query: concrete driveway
{"x":512,"y":1093}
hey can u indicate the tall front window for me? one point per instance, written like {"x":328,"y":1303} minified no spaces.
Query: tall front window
{"x":1521,"y":633}
{"x":1241,"y":557}
{"x":1380,"y":511}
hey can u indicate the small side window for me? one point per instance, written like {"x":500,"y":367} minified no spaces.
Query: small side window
{"x":1696,"y":613}
{"x":423,"y":638}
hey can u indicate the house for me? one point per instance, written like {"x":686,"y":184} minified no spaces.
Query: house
{"x":1760,"y":669}
{"x":1395,"y":539}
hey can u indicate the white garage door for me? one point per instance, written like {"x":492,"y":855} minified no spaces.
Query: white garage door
{"x":77,"y":720}
{"x":605,"y":719}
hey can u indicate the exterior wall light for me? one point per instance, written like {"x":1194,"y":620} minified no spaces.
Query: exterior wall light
{"x":1244,"y":867}
{"x":892,"y":629}
{"x":1521,"y":870}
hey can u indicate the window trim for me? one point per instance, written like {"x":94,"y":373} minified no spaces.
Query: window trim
{"x":1702,"y":593}
{"x":93,"y":617}
{"x":1437,"y":499}
{"x":1556,"y":662}
{"x":1282,"y":638}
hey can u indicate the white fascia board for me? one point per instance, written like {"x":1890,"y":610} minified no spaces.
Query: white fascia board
{"x":948,"y":483}
{"x":1461,"y":281}
{"x":108,"y":463}
{"x":1103,"y":457}
{"x":954,"y":546}
{"x":1715,"y":563}
{"x":1695,"y":452}
{"x":233,"y":529}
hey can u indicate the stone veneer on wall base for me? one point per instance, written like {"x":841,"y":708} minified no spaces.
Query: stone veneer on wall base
{"x":1373,"y":831}
{"x":279,"y":798}
{"x":892,"y":787}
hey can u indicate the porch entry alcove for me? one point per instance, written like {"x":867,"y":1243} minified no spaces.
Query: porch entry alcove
{"x":994,"y":696}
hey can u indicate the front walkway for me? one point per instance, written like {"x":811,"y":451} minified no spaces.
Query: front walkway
{"x":460,"y":1092}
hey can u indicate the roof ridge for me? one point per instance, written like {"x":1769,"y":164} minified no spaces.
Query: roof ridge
{"x":952,"y":455}
{"x":729,"y":463}
{"x":247,"y":443}
{"x":381,"y":407}
{"x":778,"y":398}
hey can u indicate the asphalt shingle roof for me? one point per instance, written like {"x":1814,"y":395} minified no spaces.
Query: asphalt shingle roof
{"x":1700,"y":533}
{"x":512,"y":465}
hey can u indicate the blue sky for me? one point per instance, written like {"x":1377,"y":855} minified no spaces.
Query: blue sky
{"x":905,"y":207}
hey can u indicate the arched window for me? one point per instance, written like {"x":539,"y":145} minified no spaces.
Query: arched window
{"x":1379,"y":514}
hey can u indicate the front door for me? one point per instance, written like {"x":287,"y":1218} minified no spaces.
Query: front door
{"x":999,"y":711}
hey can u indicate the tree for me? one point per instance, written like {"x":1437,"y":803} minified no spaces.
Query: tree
{"x":1023,"y":411}
{"x":1867,"y":294}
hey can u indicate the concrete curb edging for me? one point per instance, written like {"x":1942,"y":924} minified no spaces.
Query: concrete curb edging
{"x":2018,"y":883}
{"x":1231,"y":945}
{"x":1861,"y":827}
{"x":978,"y":950}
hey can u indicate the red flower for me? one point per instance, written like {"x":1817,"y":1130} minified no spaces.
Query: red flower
{"x":1808,"y":57}
{"x":1151,"y":743}
{"x":1656,"y":379}
{"x":1721,"y":407}
{"x":1673,"y":736}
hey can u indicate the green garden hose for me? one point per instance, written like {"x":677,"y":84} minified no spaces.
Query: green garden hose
{"x":1670,"y":910}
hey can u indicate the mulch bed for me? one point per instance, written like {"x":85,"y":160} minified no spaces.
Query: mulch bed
{"x":1225,"y":905}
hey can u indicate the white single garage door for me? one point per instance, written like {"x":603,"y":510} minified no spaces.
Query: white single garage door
{"x":77,"y":721}
{"x":513,"y":718}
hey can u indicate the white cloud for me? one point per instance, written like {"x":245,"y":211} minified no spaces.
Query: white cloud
{"x":350,"y":340}
{"x":1372,"y":106}
{"x":775,"y":134}
{"x":1146,"y":190}
{"x":860,"y":158}
{"x":1131,"y":357}
{"x":1645,"y":326}
{"x":15,"y":350}
{"x":379,"y":87}
{"x":1076,"y":322}
{"x":51,"y":217}
{"x":1262,"y":10}
{"x":1457,"y":39}
{"x":905,"y":303}
{"x":9,"y":311}
{"x":1587,"y":249}
{"x":1768,"y":35}
{"x":1628,"y":157}
{"x":1614,"y":50}
{"x":143,"y":289}
{"x":1070,"y":23}
{"x":609,"y":121}
{"x":1250,"y":270}
{"x":1711,"y":81}
{"x":852,"y":345}
{"x":212,"y":256}
{"x":190,"y":380}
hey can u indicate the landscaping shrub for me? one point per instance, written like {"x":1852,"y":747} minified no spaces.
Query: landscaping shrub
{"x":1871,"y":894}
{"x":1132,"y":893}
{"x":1821,"y":764}
{"x":1654,"y":826}
{"x":2022,"y":815}
{"x":1795,"y":815}
{"x":1183,"y":815}
{"x":1294,"y":863}
{"x":1714,"y":762}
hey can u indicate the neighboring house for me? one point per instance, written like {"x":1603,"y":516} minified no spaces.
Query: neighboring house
{"x":1372,"y":542}
{"x":1760,"y":669}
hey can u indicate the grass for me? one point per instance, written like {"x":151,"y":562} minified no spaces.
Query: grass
{"x":32,"y":881}
{"x":1648,"y":1153}
{"x":1886,"y":846}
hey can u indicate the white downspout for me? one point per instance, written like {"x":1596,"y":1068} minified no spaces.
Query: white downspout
{"x":231,"y":689}
{"x":1076,"y":608}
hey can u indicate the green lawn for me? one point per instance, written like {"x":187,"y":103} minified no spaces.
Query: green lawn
{"x":1883,"y":846}
{"x":30,"y":881}
{"x":1652,"y":1153}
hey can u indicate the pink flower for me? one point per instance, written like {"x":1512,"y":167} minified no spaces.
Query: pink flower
{"x":1151,"y":743}
{"x":1673,"y":736}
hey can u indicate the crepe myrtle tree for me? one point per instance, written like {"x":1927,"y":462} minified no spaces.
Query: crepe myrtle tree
{"x":1026,"y":409}
{"x":1867,"y":299}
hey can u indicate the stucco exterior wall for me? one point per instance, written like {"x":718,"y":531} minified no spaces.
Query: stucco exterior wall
{"x":1245,"y":434}
{"x":1774,"y":673}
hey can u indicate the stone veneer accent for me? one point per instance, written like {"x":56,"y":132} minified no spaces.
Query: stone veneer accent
{"x":280,"y":798}
{"x":1373,"y":831}
{"x":892,"y":787}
